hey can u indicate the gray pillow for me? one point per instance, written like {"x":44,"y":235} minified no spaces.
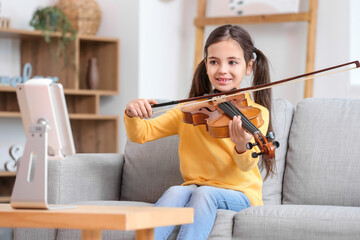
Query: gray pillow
{"x":323,"y":163}
{"x":282,"y":112}
{"x":150,"y":169}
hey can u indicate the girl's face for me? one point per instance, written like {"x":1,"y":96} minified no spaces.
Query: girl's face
{"x":226,"y":66}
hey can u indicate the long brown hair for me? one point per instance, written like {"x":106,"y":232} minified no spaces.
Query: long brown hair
{"x":201,"y":84}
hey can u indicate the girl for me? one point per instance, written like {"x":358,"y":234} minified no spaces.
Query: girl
{"x":219,"y":173}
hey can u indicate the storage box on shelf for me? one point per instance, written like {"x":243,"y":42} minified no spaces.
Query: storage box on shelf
{"x":93,"y":133}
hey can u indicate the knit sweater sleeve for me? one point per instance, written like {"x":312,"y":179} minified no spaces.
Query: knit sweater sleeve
{"x":142,"y":130}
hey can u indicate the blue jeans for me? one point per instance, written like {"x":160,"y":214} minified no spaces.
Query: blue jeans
{"x":205,"y":200}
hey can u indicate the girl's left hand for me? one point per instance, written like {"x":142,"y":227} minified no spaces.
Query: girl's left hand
{"x":238,"y":134}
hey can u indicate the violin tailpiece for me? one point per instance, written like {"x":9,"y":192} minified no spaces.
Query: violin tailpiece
{"x":218,"y":99}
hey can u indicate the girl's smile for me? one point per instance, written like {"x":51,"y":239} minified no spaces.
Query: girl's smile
{"x":223,"y":81}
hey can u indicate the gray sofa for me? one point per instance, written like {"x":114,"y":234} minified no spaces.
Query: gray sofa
{"x":314,"y":195}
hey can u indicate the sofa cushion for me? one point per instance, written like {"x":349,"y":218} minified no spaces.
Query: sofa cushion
{"x":297,"y":222}
{"x":82,"y":177}
{"x":34,"y":233}
{"x":150,"y":169}
{"x":282,"y":112}
{"x":323,"y":160}
{"x":223,"y":225}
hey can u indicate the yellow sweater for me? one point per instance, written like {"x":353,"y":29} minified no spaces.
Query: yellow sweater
{"x":204,"y":160}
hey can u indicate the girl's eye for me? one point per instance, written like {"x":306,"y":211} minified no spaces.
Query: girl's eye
{"x":232,"y":62}
{"x":213,"y":62}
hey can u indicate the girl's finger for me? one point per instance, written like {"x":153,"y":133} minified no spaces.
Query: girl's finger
{"x":152,"y":101}
{"x":231,"y":130}
{"x":149,"y":108}
{"x":131,"y":112}
{"x":138,"y":112}
{"x":237,"y":124}
{"x":143,"y":110}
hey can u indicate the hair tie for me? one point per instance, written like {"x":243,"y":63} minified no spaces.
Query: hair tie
{"x":254,"y":56}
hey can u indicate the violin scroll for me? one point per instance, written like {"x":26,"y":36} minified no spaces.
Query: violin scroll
{"x":267,"y":146}
{"x":264,"y":146}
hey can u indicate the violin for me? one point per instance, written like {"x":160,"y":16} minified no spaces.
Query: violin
{"x":218,"y":110}
{"x":217,"y":114}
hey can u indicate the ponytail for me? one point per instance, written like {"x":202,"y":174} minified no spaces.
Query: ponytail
{"x":200,"y":83}
{"x":261,"y":76}
{"x":263,"y":97}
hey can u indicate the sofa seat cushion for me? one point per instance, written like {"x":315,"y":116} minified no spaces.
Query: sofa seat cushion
{"x":297,"y":222}
{"x":65,"y":234}
{"x":323,"y":160}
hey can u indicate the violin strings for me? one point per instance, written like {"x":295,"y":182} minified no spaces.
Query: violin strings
{"x":230,"y":109}
{"x":245,"y":120}
{"x":259,"y":89}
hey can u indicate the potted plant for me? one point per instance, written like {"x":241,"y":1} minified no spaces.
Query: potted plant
{"x":52,"y":19}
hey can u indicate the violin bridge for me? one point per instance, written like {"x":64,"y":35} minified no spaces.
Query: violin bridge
{"x":218,"y":99}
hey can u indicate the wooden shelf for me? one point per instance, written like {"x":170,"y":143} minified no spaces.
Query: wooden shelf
{"x":106,"y":53}
{"x":95,"y":135}
{"x":254,"y":19}
{"x":90,"y":92}
{"x":7,"y":174}
{"x":6,"y":89}
{"x":22,"y":33}
{"x":10,"y":114}
{"x":71,"y":116}
{"x":36,"y":51}
{"x":92,"y":117}
{"x":83,"y":104}
{"x":72,"y":91}
{"x":5,"y":199}
{"x":7,"y":180}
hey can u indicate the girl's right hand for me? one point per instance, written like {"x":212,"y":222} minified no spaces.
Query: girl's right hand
{"x":140,"y":108}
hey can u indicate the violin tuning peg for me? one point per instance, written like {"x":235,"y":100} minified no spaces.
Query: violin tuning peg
{"x":270,"y":136}
{"x":276,"y":144}
{"x":250,"y":145}
{"x":255,"y":154}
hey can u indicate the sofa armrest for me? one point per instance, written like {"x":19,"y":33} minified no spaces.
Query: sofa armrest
{"x":85,"y":177}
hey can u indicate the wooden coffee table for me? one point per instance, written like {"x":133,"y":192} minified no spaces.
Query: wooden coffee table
{"x":93,"y":219}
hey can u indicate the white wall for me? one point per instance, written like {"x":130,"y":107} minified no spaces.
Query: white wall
{"x":333,"y":48}
{"x":354,"y":89}
{"x":121,"y":19}
{"x":157,"y":50}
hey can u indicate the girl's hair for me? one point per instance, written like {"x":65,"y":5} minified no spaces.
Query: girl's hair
{"x":201,"y":84}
